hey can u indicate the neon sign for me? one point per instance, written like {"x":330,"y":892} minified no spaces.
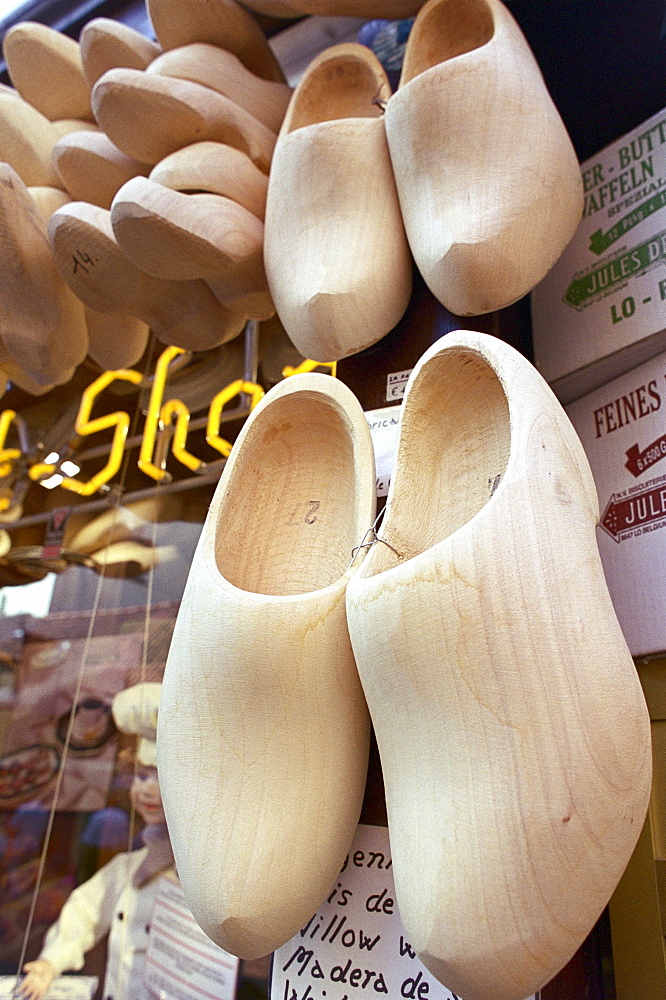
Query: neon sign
{"x":159,"y":415}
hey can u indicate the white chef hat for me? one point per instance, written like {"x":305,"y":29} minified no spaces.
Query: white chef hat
{"x":135,"y":711}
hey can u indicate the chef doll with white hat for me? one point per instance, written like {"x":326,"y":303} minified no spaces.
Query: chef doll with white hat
{"x":119,"y":898}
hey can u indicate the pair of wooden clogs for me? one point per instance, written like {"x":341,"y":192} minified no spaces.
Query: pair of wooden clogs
{"x":477,"y":630}
{"x":487,"y":207}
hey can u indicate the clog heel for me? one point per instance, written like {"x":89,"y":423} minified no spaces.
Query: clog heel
{"x":263,"y":738}
{"x":488,"y":180}
{"x":513,"y":732}
{"x":336,"y":256}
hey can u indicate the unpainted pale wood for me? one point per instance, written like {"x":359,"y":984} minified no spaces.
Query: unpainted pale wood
{"x":92,"y":168}
{"x":48,"y":200}
{"x":181,"y":236}
{"x":45,"y":67}
{"x":115,"y":340}
{"x":149,"y":116}
{"x":218,"y":22}
{"x":217,"y":169}
{"x":42,"y":325}
{"x":336,"y":256}
{"x":488,"y":180}
{"x":263,"y":732}
{"x":185,"y":314}
{"x":223,"y":72}
{"x":512,"y":728}
{"x":108,"y":44}
{"x":27,"y":139}
{"x":64,"y":126}
{"x":255,"y":305}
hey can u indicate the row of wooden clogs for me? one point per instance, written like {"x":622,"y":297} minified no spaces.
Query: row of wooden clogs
{"x":121,"y":300}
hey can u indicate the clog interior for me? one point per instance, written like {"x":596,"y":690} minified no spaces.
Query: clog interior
{"x":345,"y":87}
{"x":449,"y":29}
{"x":288,"y":523}
{"x":454,"y":448}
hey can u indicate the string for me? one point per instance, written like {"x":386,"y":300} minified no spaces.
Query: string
{"x":372,"y":531}
{"x":77,"y":694}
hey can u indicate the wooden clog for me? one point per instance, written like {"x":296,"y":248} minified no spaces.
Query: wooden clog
{"x":27,"y":139}
{"x":263,"y":733}
{"x":115,"y":340}
{"x":149,"y":116}
{"x":108,"y":44}
{"x":513,"y":733}
{"x":42,"y":326}
{"x":488,"y":207}
{"x":274,"y":8}
{"x":223,"y":72}
{"x":185,"y":314}
{"x":217,"y":169}
{"x":48,"y":200}
{"x":219,"y":22}
{"x":45,"y":67}
{"x":181,"y":236}
{"x":255,"y":305}
{"x":92,"y":168}
{"x":86,"y":534}
{"x":336,"y":255}
{"x":65,"y":126}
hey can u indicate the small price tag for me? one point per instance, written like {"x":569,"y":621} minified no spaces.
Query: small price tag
{"x":395,"y":385}
{"x":384,"y":425}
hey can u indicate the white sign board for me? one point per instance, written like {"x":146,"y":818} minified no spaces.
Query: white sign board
{"x":355,"y":947}
{"x":383,"y":425}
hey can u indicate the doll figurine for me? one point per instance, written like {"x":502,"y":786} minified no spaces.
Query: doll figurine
{"x":119,"y":898}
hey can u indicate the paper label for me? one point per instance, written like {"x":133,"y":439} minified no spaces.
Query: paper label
{"x":355,"y":947}
{"x":395,"y":385}
{"x":182,"y":963}
{"x":383,"y":425}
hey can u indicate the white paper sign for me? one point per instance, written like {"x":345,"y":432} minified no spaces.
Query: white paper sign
{"x":383,"y":425}
{"x":62,"y":988}
{"x":355,"y":947}
{"x":182,"y":963}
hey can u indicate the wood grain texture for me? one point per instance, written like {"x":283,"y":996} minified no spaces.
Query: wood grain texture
{"x":42,"y":325}
{"x":224,"y":73}
{"x":116,"y":341}
{"x":488,"y":179}
{"x":263,"y":731}
{"x":149,"y":116}
{"x":92,"y":168}
{"x":219,"y":22}
{"x":185,"y":314}
{"x":218,"y":169}
{"x":181,"y":236}
{"x":27,"y":139}
{"x":512,"y":728}
{"x":45,"y":67}
{"x":108,"y":44}
{"x":64,"y":126}
{"x":336,"y":256}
